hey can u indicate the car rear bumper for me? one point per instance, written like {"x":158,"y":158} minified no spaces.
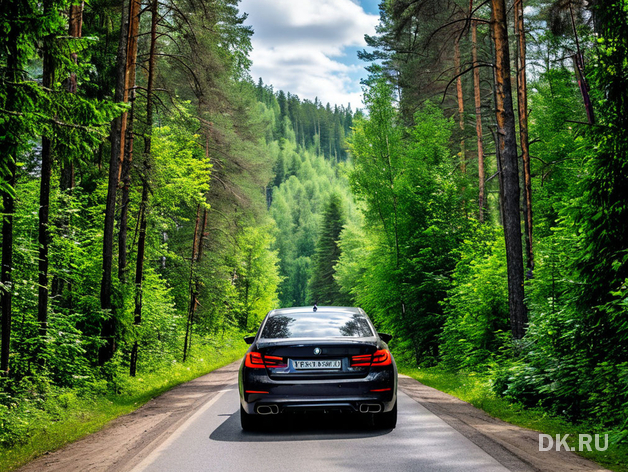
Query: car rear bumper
{"x":377,"y":392}
{"x":276,"y":405}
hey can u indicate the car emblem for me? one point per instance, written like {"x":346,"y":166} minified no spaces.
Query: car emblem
{"x":317,"y":350}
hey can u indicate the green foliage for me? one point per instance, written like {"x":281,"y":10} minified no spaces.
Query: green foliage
{"x":324,"y":289}
{"x":256,"y":276}
{"x":180,"y":169}
{"x":478,"y":390}
{"x":199,"y":148}
{"x":158,"y":336}
{"x":476,"y":307}
{"x":30,"y":111}
{"x":304,"y":184}
{"x":35,"y":421}
{"x":559,"y":150}
{"x":573,"y":362}
{"x":412,"y":222}
{"x":416,"y":246}
{"x":603,"y":215}
{"x":378,"y":151}
{"x":315,"y":127}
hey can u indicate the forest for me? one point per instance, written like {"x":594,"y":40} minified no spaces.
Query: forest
{"x":491,"y":171}
{"x":158,"y":201}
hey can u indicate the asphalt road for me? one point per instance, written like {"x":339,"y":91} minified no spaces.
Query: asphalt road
{"x":196,"y":427}
{"x":211,"y":440}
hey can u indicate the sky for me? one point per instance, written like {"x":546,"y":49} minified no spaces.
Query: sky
{"x":309,"y":47}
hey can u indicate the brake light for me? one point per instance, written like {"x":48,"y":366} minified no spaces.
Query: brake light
{"x":255,"y":360}
{"x":362,"y":360}
{"x":382,"y":357}
{"x":274,"y":361}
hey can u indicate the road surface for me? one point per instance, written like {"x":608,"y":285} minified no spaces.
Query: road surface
{"x":421,"y":442}
{"x":196,"y":427}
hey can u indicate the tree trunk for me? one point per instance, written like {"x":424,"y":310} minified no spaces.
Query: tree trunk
{"x":9,"y":155}
{"x":493,"y":130}
{"x":66,"y":179}
{"x":125,"y":198}
{"x":75,"y":30}
{"x":127,"y":156}
{"x":507,"y":150}
{"x":522,"y":99}
{"x":141,"y":244}
{"x":478,"y":121}
{"x":44,"y":202}
{"x":139,"y":271}
{"x":6,"y":290}
{"x":44,"y":235}
{"x":192,"y":306}
{"x":201,"y":236}
{"x":460,"y":97}
{"x":247,"y":286}
{"x":578,"y":60}
{"x":196,"y":257}
{"x":118,"y":127}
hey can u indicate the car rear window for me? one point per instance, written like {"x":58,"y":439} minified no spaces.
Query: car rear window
{"x":317,"y":325}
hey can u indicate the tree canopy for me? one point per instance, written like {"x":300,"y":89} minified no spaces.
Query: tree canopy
{"x":157,"y":200}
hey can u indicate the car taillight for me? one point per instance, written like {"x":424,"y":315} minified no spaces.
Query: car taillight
{"x":381,"y":357}
{"x":362,"y":360}
{"x":274,"y":361}
{"x":255,"y":360}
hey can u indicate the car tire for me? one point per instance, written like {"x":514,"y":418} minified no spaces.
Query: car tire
{"x":386,"y":420}
{"x":248,"y":422}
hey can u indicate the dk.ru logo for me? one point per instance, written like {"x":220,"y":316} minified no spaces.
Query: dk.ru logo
{"x":546,"y":442}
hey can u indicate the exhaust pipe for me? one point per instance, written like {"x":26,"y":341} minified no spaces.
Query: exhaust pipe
{"x":267,"y":409}
{"x":370,"y":408}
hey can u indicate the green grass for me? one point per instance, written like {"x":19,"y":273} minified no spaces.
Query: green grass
{"x":476,"y":389}
{"x":75,"y":417}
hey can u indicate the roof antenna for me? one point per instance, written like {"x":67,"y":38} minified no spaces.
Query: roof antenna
{"x":315,"y":307}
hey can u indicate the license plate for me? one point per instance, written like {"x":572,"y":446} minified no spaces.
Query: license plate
{"x":318,"y":364}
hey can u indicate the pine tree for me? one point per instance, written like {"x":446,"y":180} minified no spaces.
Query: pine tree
{"x":507,"y":152}
{"x":323,"y":287}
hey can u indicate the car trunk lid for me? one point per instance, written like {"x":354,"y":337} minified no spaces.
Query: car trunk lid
{"x":315,"y":359}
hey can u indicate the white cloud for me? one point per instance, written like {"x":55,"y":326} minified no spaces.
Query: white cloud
{"x":299,"y":46}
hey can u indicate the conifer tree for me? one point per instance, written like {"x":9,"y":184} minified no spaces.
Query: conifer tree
{"x":323,"y":287}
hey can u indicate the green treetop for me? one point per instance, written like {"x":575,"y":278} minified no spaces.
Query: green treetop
{"x":323,"y":287}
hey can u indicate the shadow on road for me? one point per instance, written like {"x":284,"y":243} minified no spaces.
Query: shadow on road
{"x":299,"y":427}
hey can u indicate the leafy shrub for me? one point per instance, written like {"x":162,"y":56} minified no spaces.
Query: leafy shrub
{"x":476,"y":307}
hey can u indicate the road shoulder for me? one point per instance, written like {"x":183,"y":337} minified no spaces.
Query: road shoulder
{"x":514,"y":447}
{"x":127,"y":440}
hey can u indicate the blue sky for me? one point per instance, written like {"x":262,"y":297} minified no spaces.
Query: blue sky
{"x":308,"y":47}
{"x":370,"y":6}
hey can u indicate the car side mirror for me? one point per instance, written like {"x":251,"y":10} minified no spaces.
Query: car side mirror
{"x":249,"y":339}
{"x":385,"y":337}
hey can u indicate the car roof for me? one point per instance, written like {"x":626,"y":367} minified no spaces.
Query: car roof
{"x":319,"y":309}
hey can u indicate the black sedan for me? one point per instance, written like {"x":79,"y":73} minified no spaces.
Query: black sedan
{"x":328,"y":359}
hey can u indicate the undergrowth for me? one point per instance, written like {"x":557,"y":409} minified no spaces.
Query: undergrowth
{"x":37,"y":418}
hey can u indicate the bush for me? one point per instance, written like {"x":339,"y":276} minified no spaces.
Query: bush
{"x":476,"y":307}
